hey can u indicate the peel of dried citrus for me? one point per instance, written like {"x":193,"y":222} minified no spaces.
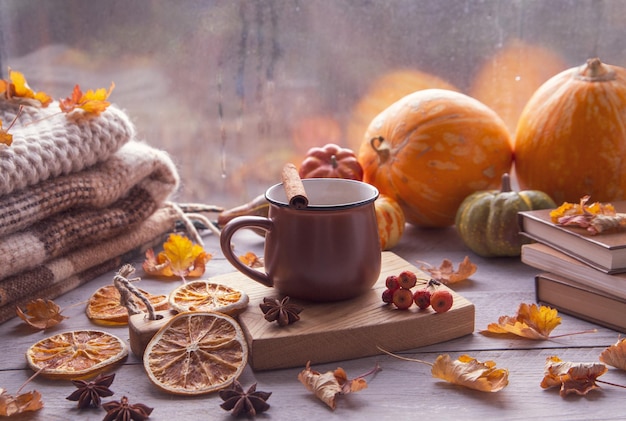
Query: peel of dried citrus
{"x":207,"y":296}
{"x":76,"y":354}
{"x":196,"y":353}
{"x":104,"y":306}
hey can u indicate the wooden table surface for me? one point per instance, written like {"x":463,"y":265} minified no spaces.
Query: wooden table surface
{"x":402,"y":390}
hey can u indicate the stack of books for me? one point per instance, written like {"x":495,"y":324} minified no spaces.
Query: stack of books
{"x":583,"y":275}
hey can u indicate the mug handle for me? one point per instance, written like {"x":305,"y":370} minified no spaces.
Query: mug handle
{"x":226,"y":236}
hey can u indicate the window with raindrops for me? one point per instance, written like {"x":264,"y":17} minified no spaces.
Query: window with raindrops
{"x":234,"y":89}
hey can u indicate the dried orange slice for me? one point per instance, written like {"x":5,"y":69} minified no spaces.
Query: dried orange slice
{"x":206,"y":296}
{"x":196,"y":353}
{"x":76,"y":354}
{"x":104,"y":306}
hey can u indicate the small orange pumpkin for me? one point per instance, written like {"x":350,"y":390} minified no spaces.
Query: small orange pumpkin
{"x":391,"y":221}
{"x":509,"y":78}
{"x":331,"y":161}
{"x":432,"y":149}
{"x":571,"y":136}
{"x":383,"y":92}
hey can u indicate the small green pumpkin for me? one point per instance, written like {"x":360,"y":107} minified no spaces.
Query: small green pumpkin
{"x":487,"y":221}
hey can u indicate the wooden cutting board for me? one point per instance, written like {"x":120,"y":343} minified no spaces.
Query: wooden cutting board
{"x":343,"y":330}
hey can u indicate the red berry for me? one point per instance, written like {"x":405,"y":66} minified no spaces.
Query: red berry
{"x":402,"y":298}
{"x":392,"y":282}
{"x":441,"y":300}
{"x":388,"y":296}
{"x":422,"y":298}
{"x":407,"y":279}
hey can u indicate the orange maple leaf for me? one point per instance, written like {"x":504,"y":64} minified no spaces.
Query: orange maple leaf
{"x":577,"y":378}
{"x":17,"y":87}
{"x":180,"y":257}
{"x":41,"y":314}
{"x":25,"y":402}
{"x":93,"y":102}
{"x":531,"y":322}
{"x":251,"y":260}
{"x":471,"y":373}
{"x":446,"y":273}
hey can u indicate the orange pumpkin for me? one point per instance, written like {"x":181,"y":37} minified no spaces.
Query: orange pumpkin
{"x":383,"y":92}
{"x":571,"y":136}
{"x":507,"y":80}
{"x":331,"y":161}
{"x":432,"y":149}
{"x":391,"y":221}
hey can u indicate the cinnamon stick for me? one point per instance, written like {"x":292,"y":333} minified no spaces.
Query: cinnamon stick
{"x":294,"y":187}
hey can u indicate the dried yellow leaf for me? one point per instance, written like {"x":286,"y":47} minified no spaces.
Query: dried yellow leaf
{"x":471,"y":373}
{"x":180,"y":257}
{"x":531,"y":322}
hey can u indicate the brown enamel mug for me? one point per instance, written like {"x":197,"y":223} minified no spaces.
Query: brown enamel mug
{"x":328,"y":251}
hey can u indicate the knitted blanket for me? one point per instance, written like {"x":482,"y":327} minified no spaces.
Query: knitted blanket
{"x":61,"y":275}
{"x":61,"y":214}
{"x":78,"y":196}
{"x":47,"y":143}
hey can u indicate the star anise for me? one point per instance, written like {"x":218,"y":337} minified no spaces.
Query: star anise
{"x":88,"y":394}
{"x":244,"y":403}
{"x":281,"y":311}
{"x":124,"y":411}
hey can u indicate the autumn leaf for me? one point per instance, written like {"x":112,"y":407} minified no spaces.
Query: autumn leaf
{"x":17,"y":87}
{"x":251,"y":260}
{"x":180,"y":257}
{"x":446,"y":273}
{"x":471,"y":373}
{"x":581,"y":208}
{"x":25,"y":402}
{"x":531,"y":322}
{"x":93,"y":102}
{"x":327,"y":386}
{"x":41,"y":314}
{"x":571,"y":377}
{"x":465,"y":371}
{"x":5,"y":137}
{"x":615,"y":355}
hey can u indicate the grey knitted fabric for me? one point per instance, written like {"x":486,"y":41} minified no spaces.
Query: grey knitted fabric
{"x":48,"y":143}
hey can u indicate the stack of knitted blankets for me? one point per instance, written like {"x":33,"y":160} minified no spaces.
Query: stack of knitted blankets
{"x":79,"y":196}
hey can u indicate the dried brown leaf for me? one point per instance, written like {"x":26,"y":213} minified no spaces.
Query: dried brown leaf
{"x":578,"y":378}
{"x":615,"y":355}
{"x":327,"y":386}
{"x":41,"y":314}
{"x":446,"y":274}
{"x":25,"y":402}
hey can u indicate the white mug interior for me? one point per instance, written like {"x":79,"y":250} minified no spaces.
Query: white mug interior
{"x":327,"y":193}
